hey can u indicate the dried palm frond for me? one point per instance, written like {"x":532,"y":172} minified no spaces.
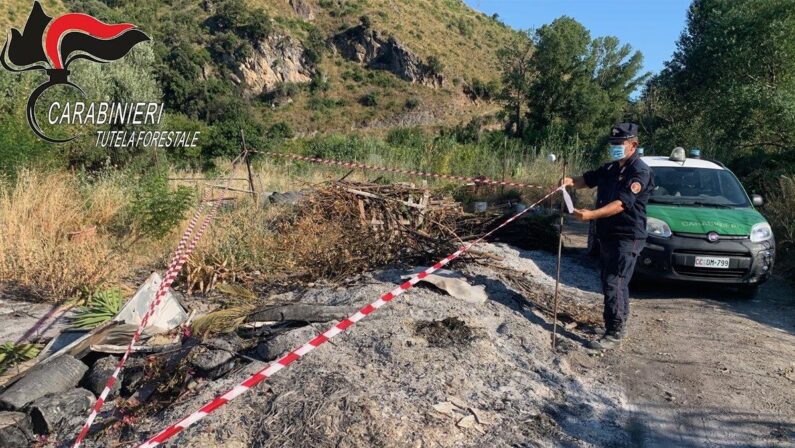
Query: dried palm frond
{"x":222,"y":321}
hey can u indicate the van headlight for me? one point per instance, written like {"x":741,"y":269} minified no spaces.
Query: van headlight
{"x":761,"y":232}
{"x":658,"y":227}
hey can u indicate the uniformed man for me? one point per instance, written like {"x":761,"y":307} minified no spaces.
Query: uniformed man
{"x":624,"y":186}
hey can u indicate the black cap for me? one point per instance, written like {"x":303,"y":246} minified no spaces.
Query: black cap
{"x":623,"y":131}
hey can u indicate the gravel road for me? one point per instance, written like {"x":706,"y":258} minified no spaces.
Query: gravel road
{"x":702,"y":368}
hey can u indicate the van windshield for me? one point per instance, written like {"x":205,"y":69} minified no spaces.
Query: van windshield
{"x":703,"y":187}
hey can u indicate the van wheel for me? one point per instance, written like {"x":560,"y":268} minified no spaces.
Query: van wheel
{"x":748,"y":292}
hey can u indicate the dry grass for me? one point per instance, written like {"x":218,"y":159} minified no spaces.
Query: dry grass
{"x":52,"y":242}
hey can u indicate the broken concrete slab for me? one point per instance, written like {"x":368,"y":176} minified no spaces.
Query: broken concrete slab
{"x":454,"y":284}
{"x":16,"y":430}
{"x":59,"y":375}
{"x":98,"y":376}
{"x":53,"y":412}
{"x":168,"y":315}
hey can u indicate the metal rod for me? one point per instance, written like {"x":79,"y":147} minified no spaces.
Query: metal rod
{"x":557,"y":275}
{"x":223,"y":187}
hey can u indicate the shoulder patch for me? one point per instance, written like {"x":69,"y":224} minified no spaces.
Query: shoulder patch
{"x":635,"y":187}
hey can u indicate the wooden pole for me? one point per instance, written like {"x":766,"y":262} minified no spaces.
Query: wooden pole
{"x":247,"y":157}
{"x":557,"y":275}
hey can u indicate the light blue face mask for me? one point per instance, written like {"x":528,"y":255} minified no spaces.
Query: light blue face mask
{"x":617,"y":152}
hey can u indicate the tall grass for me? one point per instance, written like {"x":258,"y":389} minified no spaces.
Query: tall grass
{"x":412,"y":148}
{"x":51,"y":238}
{"x":63,"y":234}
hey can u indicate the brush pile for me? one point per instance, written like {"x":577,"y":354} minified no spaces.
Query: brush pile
{"x":334,"y":231}
{"x":340,"y":229}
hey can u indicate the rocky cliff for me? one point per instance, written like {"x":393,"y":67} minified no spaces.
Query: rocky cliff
{"x":369,"y":47}
{"x":277,"y":58}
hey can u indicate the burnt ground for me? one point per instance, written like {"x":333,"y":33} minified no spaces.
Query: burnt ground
{"x":700,"y":368}
{"x":704,"y":368}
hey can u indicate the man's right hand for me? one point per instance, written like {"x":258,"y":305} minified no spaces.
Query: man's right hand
{"x":567,"y":182}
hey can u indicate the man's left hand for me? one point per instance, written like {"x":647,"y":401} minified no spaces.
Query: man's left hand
{"x":582,"y":214}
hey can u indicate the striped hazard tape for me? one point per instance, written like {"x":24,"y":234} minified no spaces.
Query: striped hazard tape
{"x":477,"y":180}
{"x":320,"y":339}
{"x":181,"y":254}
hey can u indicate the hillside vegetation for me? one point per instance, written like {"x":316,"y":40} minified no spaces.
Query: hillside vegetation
{"x":337,"y":94}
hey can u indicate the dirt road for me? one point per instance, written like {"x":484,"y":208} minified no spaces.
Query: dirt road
{"x":702,"y":368}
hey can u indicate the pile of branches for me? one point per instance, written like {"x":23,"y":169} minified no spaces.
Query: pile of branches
{"x":343,"y":228}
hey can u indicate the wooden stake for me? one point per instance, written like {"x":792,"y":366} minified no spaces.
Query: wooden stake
{"x":557,"y":275}
{"x":247,"y":158}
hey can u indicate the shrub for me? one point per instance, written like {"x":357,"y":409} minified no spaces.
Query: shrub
{"x":320,"y":83}
{"x":464,"y":27}
{"x":283,"y":90}
{"x":780,"y":210}
{"x":435,"y":64}
{"x":411,"y":103}
{"x":365,"y":21}
{"x":484,"y":90}
{"x":369,"y":100}
{"x":315,"y":46}
{"x":280,"y":130}
{"x":156,"y":209}
{"x":318,"y":103}
{"x":409,"y":137}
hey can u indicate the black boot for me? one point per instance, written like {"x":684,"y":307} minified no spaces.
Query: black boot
{"x":610,"y":341}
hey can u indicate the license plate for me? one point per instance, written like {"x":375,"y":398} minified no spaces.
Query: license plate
{"x":712,"y":262}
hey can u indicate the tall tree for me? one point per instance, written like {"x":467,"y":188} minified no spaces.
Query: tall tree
{"x":582,"y":85}
{"x":517,"y":77}
{"x":730,"y":86}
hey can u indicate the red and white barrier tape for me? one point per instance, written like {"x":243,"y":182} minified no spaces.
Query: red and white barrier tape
{"x":477,"y":180}
{"x":179,"y":258}
{"x":320,"y":339}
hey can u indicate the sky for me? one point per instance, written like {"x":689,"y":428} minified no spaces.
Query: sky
{"x":651,"y":26}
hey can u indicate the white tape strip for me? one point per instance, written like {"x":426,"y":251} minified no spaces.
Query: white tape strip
{"x":567,"y":200}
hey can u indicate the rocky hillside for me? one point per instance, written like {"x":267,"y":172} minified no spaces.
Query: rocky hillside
{"x":333,"y":65}
{"x":389,"y":62}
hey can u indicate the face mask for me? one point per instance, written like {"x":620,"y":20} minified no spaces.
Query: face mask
{"x":617,"y":152}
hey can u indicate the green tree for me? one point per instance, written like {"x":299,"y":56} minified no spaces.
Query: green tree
{"x":581,"y":85}
{"x":517,"y":77}
{"x":730,"y":86}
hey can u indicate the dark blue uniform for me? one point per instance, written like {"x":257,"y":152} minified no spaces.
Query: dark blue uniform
{"x":621,"y":236}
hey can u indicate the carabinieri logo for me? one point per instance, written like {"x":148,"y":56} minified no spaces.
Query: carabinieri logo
{"x":52,"y":44}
